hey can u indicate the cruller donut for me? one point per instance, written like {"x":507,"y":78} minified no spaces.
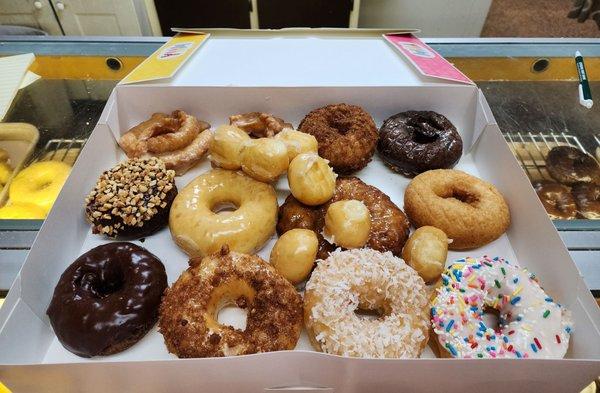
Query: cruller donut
{"x":346,"y":134}
{"x":200,"y":226}
{"x":188,"y":312}
{"x":472,"y":212}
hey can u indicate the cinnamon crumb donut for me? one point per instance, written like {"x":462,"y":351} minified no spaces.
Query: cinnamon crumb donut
{"x":365,"y":279}
{"x":389,"y":226}
{"x":472,"y":212}
{"x":189,"y":309}
{"x":347,"y":135}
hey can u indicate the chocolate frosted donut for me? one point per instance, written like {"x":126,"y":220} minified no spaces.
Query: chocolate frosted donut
{"x":587,"y":198}
{"x":132,"y":199}
{"x":557,"y":200}
{"x":346,"y":134}
{"x":107,"y":299}
{"x":417,"y":141}
{"x":569,"y":165}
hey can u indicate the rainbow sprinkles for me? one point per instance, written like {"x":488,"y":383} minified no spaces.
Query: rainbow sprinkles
{"x":530,"y":323}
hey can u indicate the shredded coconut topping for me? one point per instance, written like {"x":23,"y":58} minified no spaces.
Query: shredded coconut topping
{"x":369,"y":280}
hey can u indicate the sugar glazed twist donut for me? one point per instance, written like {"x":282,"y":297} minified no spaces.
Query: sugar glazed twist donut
{"x":369,"y":280}
{"x":472,"y":212}
{"x":188,"y":313}
{"x":179,"y":140}
{"x":531,"y":324}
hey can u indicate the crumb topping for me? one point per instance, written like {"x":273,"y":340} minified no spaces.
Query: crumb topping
{"x":129,"y":194}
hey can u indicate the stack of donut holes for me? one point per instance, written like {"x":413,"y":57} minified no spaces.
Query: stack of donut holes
{"x":574,"y":191}
{"x":135,"y":198}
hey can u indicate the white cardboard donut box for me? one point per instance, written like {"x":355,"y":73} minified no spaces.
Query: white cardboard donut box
{"x":31,"y":358}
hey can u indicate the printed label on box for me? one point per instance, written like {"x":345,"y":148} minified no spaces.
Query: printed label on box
{"x":425,"y":59}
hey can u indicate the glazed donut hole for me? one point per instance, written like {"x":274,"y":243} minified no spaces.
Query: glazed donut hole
{"x":265,"y":159}
{"x":311,"y":179}
{"x":297,"y":142}
{"x":348,"y":223}
{"x":226,"y":145}
{"x":426,"y":251}
{"x":294,"y":254}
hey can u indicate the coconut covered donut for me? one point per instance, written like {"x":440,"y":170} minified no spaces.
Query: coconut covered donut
{"x":347,"y":135}
{"x":389,"y":226}
{"x":531,"y":324}
{"x":188,"y":312}
{"x":472,"y":212}
{"x":369,"y":280}
{"x":200,"y":225}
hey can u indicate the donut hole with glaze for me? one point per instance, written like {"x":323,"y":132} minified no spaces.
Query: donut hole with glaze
{"x":224,"y":207}
{"x":101,"y":286}
{"x":425,"y":130}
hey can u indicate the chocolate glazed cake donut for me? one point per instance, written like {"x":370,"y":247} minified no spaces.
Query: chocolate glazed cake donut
{"x":107,"y":299}
{"x":417,"y":141}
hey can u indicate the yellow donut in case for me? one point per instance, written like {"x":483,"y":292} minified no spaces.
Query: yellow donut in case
{"x":22,"y":211}
{"x":200,"y":225}
{"x":39,"y":184}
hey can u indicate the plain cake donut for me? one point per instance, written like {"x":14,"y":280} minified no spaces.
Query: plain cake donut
{"x":472,"y":212}
{"x":199,"y":225}
{"x":366,"y":279}
{"x":188,"y":313}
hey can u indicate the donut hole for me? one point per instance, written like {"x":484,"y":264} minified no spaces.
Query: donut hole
{"x":101,"y":286}
{"x":369,"y":314}
{"x":224,"y":207}
{"x":461,"y":195}
{"x":424,"y":129}
{"x":491,"y":317}
{"x":230,"y":314}
{"x":423,"y":139}
{"x":374,"y":309}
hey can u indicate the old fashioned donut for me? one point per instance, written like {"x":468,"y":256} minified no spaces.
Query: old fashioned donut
{"x":472,"y":212}
{"x":417,"y":141}
{"x":179,"y":139}
{"x":258,"y":124}
{"x":347,"y":135}
{"x":188,"y":313}
{"x":39,"y":184}
{"x":530,"y":323}
{"x":389,"y":226}
{"x":108,"y":299}
{"x":365,"y":279}
{"x":587,"y":198}
{"x":557,"y":200}
{"x":132,"y":199}
{"x":569,"y":165}
{"x":200,"y":226}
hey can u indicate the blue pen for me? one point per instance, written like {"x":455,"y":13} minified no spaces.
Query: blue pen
{"x":585,"y":94}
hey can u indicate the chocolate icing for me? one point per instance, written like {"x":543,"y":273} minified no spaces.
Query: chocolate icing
{"x":107,"y":299}
{"x":417,"y":141}
{"x":557,"y":200}
{"x":569,"y":165}
{"x":587,"y":198}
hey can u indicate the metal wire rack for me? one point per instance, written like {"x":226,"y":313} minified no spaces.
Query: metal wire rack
{"x":531,"y":150}
{"x":65,"y":150}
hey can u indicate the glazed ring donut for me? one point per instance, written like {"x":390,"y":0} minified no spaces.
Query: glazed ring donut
{"x":107,"y":299}
{"x":472,"y":212}
{"x":346,"y":134}
{"x":389,"y":226}
{"x":569,"y":165}
{"x":200,"y":229}
{"x":366,"y":279}
{"x":188,"y":313}
{"x":417,"y":141}
{"x":531,"y":324}
{"x":39,"y":184}
{"x":587,"y":198}
{"x":179,"y":140}
{"x":557,"y":200}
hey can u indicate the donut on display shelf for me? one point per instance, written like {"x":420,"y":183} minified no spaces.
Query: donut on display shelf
{"x":530,"y":323}
{"x":107,"y":300}
{"x":470,"y":211}
{"x":569,"y":165}
{"x":179,"y":140}
{"x":188,"y":313}
{"x":132,"y":199}
{"x":587,"y":198}
{"x":557,"y":200}
{"x":417,"y":141}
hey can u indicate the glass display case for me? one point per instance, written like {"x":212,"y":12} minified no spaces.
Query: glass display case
{"x":530,"y":85}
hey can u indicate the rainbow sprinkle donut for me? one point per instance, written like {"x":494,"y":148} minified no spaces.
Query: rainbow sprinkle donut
{"x":530,"y":323}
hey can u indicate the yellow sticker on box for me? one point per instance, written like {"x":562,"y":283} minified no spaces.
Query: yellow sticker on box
{"x":165,"y":62}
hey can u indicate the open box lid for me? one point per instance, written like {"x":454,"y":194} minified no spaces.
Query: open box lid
{"x":296,"y":57}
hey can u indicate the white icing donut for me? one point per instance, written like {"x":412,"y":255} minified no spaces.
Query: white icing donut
{"x":366,"y":279}
{"x":531,"y":324}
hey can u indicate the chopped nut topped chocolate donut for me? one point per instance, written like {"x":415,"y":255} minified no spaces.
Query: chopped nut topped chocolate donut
{"x":132,"y":199}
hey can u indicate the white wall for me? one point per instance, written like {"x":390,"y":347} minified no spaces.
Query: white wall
{"x":435,"y":18}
